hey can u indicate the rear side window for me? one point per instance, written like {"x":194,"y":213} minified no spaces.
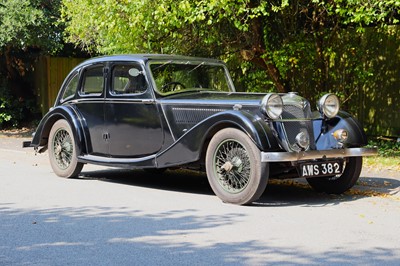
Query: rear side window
{"x":71,"y":87}
{"x":128,"y":79}
{"x":93,"y":81}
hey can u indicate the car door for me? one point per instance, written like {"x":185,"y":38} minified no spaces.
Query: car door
{"x":132,"y":117}
{"x":90,"y":104}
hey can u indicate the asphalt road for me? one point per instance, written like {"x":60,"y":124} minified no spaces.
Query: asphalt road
{"x":119,"y":217}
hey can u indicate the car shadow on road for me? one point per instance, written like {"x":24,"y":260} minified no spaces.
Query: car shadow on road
{"x":279,"y":193}
{"x":179,"y":180}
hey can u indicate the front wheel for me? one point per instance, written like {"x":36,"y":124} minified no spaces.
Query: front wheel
{"x":341,"y":183}
{"x":234,"y":168}
{"x":62,"y":150}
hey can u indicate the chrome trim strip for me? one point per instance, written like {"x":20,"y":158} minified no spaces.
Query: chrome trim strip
{"x":109,"y":160}
{"x":313,"y":155}
{"x":292,"y":120}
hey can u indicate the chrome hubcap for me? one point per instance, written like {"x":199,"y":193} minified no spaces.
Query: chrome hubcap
{"x":232,"y":166}
{"x":63,"y":148}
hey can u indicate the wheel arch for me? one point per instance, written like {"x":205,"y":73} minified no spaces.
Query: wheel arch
{"x":42,"y":133}
{"x":356,"y":134}
{"x":256,"y":128}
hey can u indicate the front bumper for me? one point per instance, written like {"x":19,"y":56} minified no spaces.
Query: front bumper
{"x":315,"y":155}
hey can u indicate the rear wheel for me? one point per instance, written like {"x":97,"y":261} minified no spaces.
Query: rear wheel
{"x":341,"y":183}
{"x":62,"y":150}
{"x":234,"y":168}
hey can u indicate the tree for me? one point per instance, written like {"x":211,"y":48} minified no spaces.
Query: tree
{"x":28,"y":28}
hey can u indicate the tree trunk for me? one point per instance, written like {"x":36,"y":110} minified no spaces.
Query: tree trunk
{"x":258,"y":54}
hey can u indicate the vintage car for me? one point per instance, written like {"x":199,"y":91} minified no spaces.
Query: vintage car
{"x":161,"y":111}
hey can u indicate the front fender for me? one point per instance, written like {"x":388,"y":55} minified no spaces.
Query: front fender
{"x":188,"y":148}
{"x":66,"y":112}
{"x":343,"y":120}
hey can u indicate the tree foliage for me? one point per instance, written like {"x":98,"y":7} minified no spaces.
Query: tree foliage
{"x":16,"y":17}
{"x":287,"y":43}
{"x":28,"y":29}
{"x":31,"y":23}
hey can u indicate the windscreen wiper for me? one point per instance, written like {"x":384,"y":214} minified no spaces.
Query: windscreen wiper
{"x":199,"y":65}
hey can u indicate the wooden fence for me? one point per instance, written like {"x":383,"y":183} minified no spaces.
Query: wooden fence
{"x":378,"y":109}
{"x":49,"y":74}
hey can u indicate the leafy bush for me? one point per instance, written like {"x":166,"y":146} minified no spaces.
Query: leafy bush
{"x":14,"y":111}
{"x":386,"y":148}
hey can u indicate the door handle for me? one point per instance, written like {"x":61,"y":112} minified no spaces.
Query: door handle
{"x":148,"y":101}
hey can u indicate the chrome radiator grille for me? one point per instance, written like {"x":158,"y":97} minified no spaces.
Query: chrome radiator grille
{"x":296,"y":119}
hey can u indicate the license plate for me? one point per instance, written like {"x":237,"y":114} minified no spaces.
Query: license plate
{"x":321,"y":169}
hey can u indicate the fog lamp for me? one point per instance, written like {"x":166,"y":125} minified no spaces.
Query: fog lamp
{"x":341,"y":135}
{"x":303,"y":140}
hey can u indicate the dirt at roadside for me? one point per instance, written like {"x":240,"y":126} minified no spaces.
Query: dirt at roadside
{"x":24,"y":132}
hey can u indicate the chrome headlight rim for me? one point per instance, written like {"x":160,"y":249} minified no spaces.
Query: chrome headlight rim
{"x":329,"y":105}
{"x":272,"y":105}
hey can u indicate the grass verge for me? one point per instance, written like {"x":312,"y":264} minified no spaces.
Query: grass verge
{"x":383,"y":163}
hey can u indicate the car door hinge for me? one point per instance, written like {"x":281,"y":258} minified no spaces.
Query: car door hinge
{"x":106,"y":136}
{"x":106,"y":70}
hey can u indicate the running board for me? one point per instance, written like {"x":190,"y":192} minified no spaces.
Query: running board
{"x":132,"y":163}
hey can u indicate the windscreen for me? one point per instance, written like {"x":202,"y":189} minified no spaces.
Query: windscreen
{"x":175,"y":77}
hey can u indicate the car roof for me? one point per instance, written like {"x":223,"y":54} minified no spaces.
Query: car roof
{"x":145,"y":58}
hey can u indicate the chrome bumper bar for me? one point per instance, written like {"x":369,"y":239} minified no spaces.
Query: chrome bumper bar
{"x":315,"y":155}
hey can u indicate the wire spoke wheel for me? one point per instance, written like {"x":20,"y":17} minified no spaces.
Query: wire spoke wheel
{"x":234,"y":168}
{"x":62,"y":150}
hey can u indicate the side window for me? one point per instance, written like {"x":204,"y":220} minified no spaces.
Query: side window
{"x":93,"y":81}
{"x":71,"y":87}
{"x":128,"y":79}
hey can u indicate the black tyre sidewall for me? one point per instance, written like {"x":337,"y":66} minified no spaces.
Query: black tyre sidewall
{"x":75,"y":167}
{"x":340,"y":185}
{"x":259,"y":171}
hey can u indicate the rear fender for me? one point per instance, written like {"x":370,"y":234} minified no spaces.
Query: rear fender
{"x":68,"y":113}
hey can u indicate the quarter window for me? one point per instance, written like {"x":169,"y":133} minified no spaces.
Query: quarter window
{"x":93,"y":81}
{"x":71,"y":87}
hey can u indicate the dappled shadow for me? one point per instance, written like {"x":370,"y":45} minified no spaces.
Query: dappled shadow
{"x":377,"y":186}
{"x":121,"y":236}
{"x":298,"y":192}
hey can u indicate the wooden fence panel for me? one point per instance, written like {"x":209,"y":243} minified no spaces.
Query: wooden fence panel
{"x":50,"y":73}
{"x":380,"y":110}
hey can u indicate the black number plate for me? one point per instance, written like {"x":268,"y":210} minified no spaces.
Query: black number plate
{"x":321,"y":169}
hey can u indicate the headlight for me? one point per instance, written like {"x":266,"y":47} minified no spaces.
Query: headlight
{"x":328,"y":105}
{"x":272,"y":105}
